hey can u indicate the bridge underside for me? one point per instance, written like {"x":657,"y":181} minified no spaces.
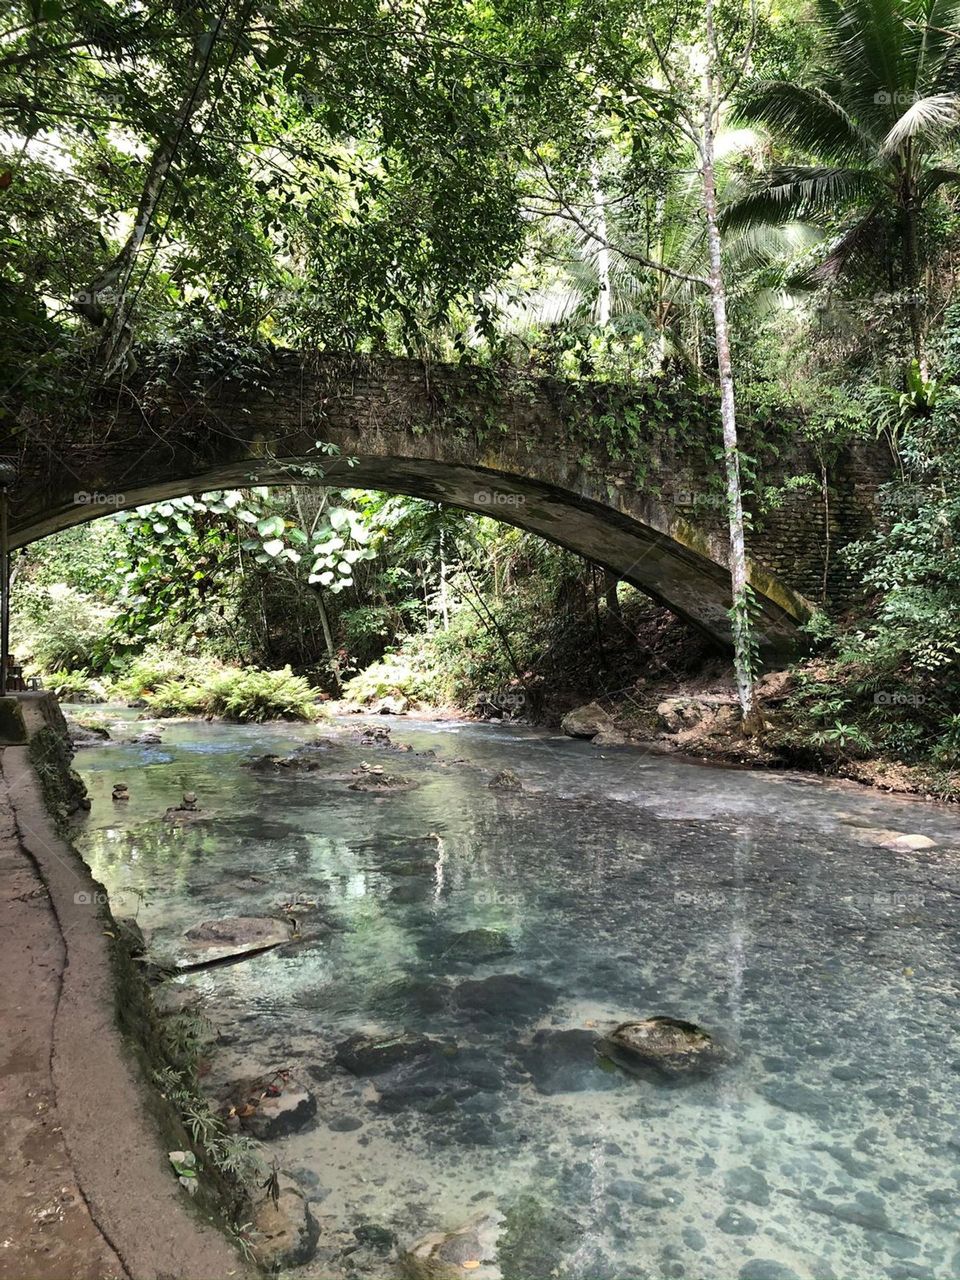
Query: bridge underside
{"x":663,"y":555}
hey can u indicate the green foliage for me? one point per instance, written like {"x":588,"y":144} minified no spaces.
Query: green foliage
{"x":59,"y":627}
{"x":412,"y":673}
{"x":247,"y":696}
{"x":74,"y":686}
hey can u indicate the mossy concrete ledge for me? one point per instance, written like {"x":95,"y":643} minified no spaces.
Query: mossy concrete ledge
{"x":112,"y":1119}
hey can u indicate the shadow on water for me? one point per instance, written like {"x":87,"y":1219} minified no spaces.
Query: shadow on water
{"x":498,"y":934}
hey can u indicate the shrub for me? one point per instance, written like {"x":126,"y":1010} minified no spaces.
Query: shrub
{"x":75,"y":686}
{"x":260,"y":695}
{"x":412,"y":672}
{"x":243,"y":695}
{"x":156,"y":668}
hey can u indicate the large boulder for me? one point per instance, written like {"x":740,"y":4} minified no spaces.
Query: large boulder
{"x":707,"y":713}
{"x":470,"y":1250}
{"x":393,"y":705}
{"x":586,"y":721}
{"x":666,"y":1046}
{"x":285,"y":1233}
{"x":610,"y":738}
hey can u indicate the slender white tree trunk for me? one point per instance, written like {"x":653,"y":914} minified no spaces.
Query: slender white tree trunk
{"x":740,"y":613}
{"x":604,"y":295}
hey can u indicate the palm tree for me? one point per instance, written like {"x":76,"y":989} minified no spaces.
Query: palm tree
{"x":874,"y":120}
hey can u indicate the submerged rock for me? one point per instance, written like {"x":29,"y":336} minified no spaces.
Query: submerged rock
{"x":566,"y":1061}
{"x":536,"y":1240}
{"x":236,"y":936}
{"x":375,"y":780}
{"x":505,"y":780}
{"x":509,"y":997}
{"x":669,"y":1046}
{"x":450,"y":1255}
{"x":437,"y":1083}
{"x":285,"y":1232}
{"x":368,"y":1055}
{"x":475,"y":945}
{"x":411,"y":995}
{"x":586,"y":721}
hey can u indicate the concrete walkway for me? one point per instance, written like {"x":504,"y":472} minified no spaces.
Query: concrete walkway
{"x":86,"y":1190}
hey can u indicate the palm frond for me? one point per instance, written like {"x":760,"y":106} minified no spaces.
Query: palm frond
{"x":799,"y":192}
{"x":929,"y":119}
{"x":933,"y":179}
{"x":808,"y":116}
{"x":865,"y":239}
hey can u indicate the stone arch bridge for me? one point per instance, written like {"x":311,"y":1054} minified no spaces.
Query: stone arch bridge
{"x":628,"y":478}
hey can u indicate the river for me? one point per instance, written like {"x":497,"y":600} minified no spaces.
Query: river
{"x":616,"y":885}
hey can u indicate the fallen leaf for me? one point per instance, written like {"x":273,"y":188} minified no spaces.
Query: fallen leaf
{"x":471,"y":1264}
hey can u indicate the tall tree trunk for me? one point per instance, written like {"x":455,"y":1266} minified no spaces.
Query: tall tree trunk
{"x":740,"y":612}
{"x":605,"y":293}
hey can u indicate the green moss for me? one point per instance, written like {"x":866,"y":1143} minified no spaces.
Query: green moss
{"x":63,"y":789}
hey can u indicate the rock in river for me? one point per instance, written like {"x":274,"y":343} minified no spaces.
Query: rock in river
{"x":505,"y":780}
{"x":508,"y":997}
{"x":286,"y":1232}
{"x":669,"y":1046}
{"x":274,"y":1108}
{"x":378,"y":782}
{"x":470,"y":1250}
{"x":368,"y":1055}
{"x":586,"y":721}
{"x":472,"y":946}
{"x":234,"y":936}
{"x":566,"y":1061}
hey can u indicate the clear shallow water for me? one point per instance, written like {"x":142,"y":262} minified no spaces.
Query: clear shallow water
{"x":630,"y":885}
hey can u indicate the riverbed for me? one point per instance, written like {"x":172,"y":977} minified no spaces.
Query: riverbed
{"x":780,"y":912}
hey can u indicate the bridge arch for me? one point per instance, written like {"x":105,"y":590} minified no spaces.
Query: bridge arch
{"x":515,"y":450}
